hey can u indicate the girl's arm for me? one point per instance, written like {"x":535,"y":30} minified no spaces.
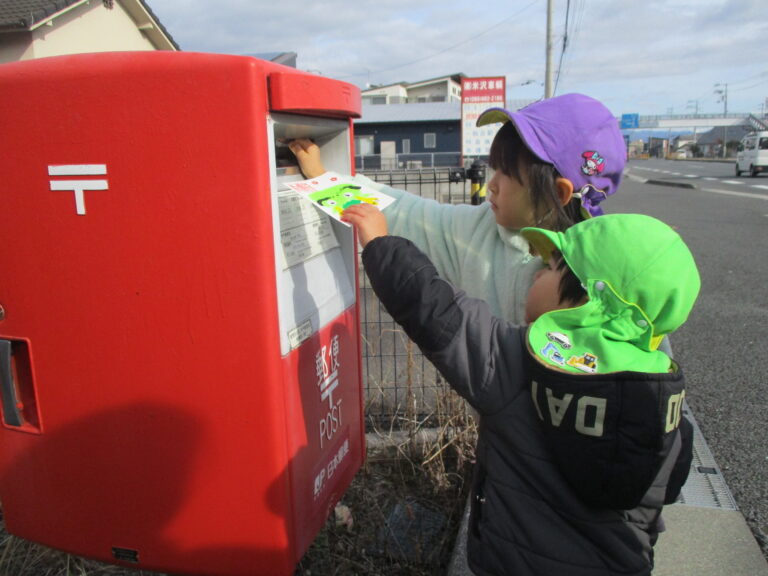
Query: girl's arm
{"x":443,"y":231}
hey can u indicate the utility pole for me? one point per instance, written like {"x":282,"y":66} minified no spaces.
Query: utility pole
{"x":723,"y":93}
{"x":548,"y":70}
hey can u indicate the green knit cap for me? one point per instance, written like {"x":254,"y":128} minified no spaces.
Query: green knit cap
{"x":641,"y":281}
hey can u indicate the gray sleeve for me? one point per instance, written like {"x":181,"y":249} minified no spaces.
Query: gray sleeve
{"x":479,"y":355}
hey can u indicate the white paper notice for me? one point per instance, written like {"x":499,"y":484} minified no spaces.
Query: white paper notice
{"x":304,"y":231}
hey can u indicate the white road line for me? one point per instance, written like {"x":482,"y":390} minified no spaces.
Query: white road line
{"x":731,"y":193}
{"x":759,"y":186}
{"x":731,"y":181}
{"x":691,"y":176}
{"x":709,"y":178}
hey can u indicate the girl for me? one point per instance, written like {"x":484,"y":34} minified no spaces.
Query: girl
{"x":554,"y":162}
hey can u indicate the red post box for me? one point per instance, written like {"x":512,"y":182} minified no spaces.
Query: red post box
{"x":179,"y":336}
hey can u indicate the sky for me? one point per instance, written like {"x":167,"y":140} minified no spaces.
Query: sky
{"x":637,"y":56}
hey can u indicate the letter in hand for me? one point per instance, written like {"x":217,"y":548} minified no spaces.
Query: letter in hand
{"x":369,"y":221}
{"x":308,"y":155}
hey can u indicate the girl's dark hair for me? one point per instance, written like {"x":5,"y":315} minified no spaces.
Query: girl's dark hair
{"x":510,"y":155}
{"x":571,"y":289}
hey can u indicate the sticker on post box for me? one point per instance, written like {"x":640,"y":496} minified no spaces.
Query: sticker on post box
{"x":333,"y":193}
{"x":300,"y":333}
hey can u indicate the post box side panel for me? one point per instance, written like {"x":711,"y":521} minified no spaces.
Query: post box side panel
{"x":146,"y":297}
{"x":326,"y":424}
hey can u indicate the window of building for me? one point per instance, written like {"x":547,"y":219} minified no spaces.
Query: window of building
{"x":363,"y":145}
{"x":406,"y":146}
{"x":430,"y":140}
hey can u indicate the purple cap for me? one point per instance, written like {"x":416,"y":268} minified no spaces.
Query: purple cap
{"x":579,"y":136}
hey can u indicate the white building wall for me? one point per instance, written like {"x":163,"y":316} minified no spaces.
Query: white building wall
{"x":429,"y":91}
{"x":14,"y":47}
{"x":90,"y":27}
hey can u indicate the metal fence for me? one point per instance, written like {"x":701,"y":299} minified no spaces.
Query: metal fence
{"x":399,"y":381}
{"x":416,"y":161}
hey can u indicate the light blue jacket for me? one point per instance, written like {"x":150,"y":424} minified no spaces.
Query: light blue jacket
{"x":468,"y":248}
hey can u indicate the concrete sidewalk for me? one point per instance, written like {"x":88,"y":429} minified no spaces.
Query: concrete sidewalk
{"x":706,"y":534}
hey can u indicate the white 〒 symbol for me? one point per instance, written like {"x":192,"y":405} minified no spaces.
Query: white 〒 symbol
{"x":78,"y":186}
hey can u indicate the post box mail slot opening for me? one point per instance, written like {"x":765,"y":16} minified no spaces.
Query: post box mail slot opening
{"x":308,"y":243}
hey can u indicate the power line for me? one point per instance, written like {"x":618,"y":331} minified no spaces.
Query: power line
{"x":449,"y":48}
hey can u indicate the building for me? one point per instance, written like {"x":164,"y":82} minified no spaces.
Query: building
{"x":710,"y":144}
{"x":284,"y":58}
{"x":40,"y":28}
{"x":442,"y":89}
{"x":408,"y":136}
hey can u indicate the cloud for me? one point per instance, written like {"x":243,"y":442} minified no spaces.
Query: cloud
{"x":641,"y":56}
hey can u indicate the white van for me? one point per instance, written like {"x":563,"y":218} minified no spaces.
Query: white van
{"x":752,"y":155}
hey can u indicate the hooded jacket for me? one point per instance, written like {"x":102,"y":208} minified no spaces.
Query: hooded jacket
{"x":529,"y":516}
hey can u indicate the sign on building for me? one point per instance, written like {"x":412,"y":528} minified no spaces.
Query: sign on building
{"x":477,"y":95}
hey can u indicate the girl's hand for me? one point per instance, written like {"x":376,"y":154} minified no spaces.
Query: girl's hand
{"x":369,"y":221}
{"x":308,"y":155}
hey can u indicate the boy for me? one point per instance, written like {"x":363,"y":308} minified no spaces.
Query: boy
{"x":581,"y":442}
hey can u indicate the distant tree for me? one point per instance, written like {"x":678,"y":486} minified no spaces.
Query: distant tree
{"x":695,"y":150}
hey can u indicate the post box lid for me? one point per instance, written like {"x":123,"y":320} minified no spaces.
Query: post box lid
{"x":313,"y":95}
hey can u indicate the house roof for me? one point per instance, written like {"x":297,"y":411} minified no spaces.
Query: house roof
{"x":455,"y":77}
{"x":284,"y":58}
{"x":416,"y":112}
{"x":717,"y":134}
{"x":22,"y":15}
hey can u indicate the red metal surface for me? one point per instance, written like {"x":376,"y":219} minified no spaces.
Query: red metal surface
{"x":316,"y":95}
{"x":172,"y":435}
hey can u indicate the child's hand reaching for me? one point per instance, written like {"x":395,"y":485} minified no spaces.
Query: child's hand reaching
{"x":308,"y":155}
{"x":369,"y":221}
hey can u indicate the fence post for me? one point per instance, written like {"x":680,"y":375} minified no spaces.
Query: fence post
{"x":476,"y":175}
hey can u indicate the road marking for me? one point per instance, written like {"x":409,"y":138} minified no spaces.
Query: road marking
{"x":709,"y":178}
{"x":732,"y":193}
{"x":759,"y":186}
{"x":691,"y":176}
{"x":732,"y":182}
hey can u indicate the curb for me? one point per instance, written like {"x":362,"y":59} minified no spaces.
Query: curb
{"x":668,"y":183}
{"x":642,"y":180}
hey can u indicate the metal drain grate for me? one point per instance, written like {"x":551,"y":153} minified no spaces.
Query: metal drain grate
{"x":705,"y":486}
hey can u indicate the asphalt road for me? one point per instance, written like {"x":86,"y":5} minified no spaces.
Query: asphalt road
{"x":724,"y":344}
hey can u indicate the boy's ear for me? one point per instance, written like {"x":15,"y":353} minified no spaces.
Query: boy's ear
{"x":564,"y":190}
